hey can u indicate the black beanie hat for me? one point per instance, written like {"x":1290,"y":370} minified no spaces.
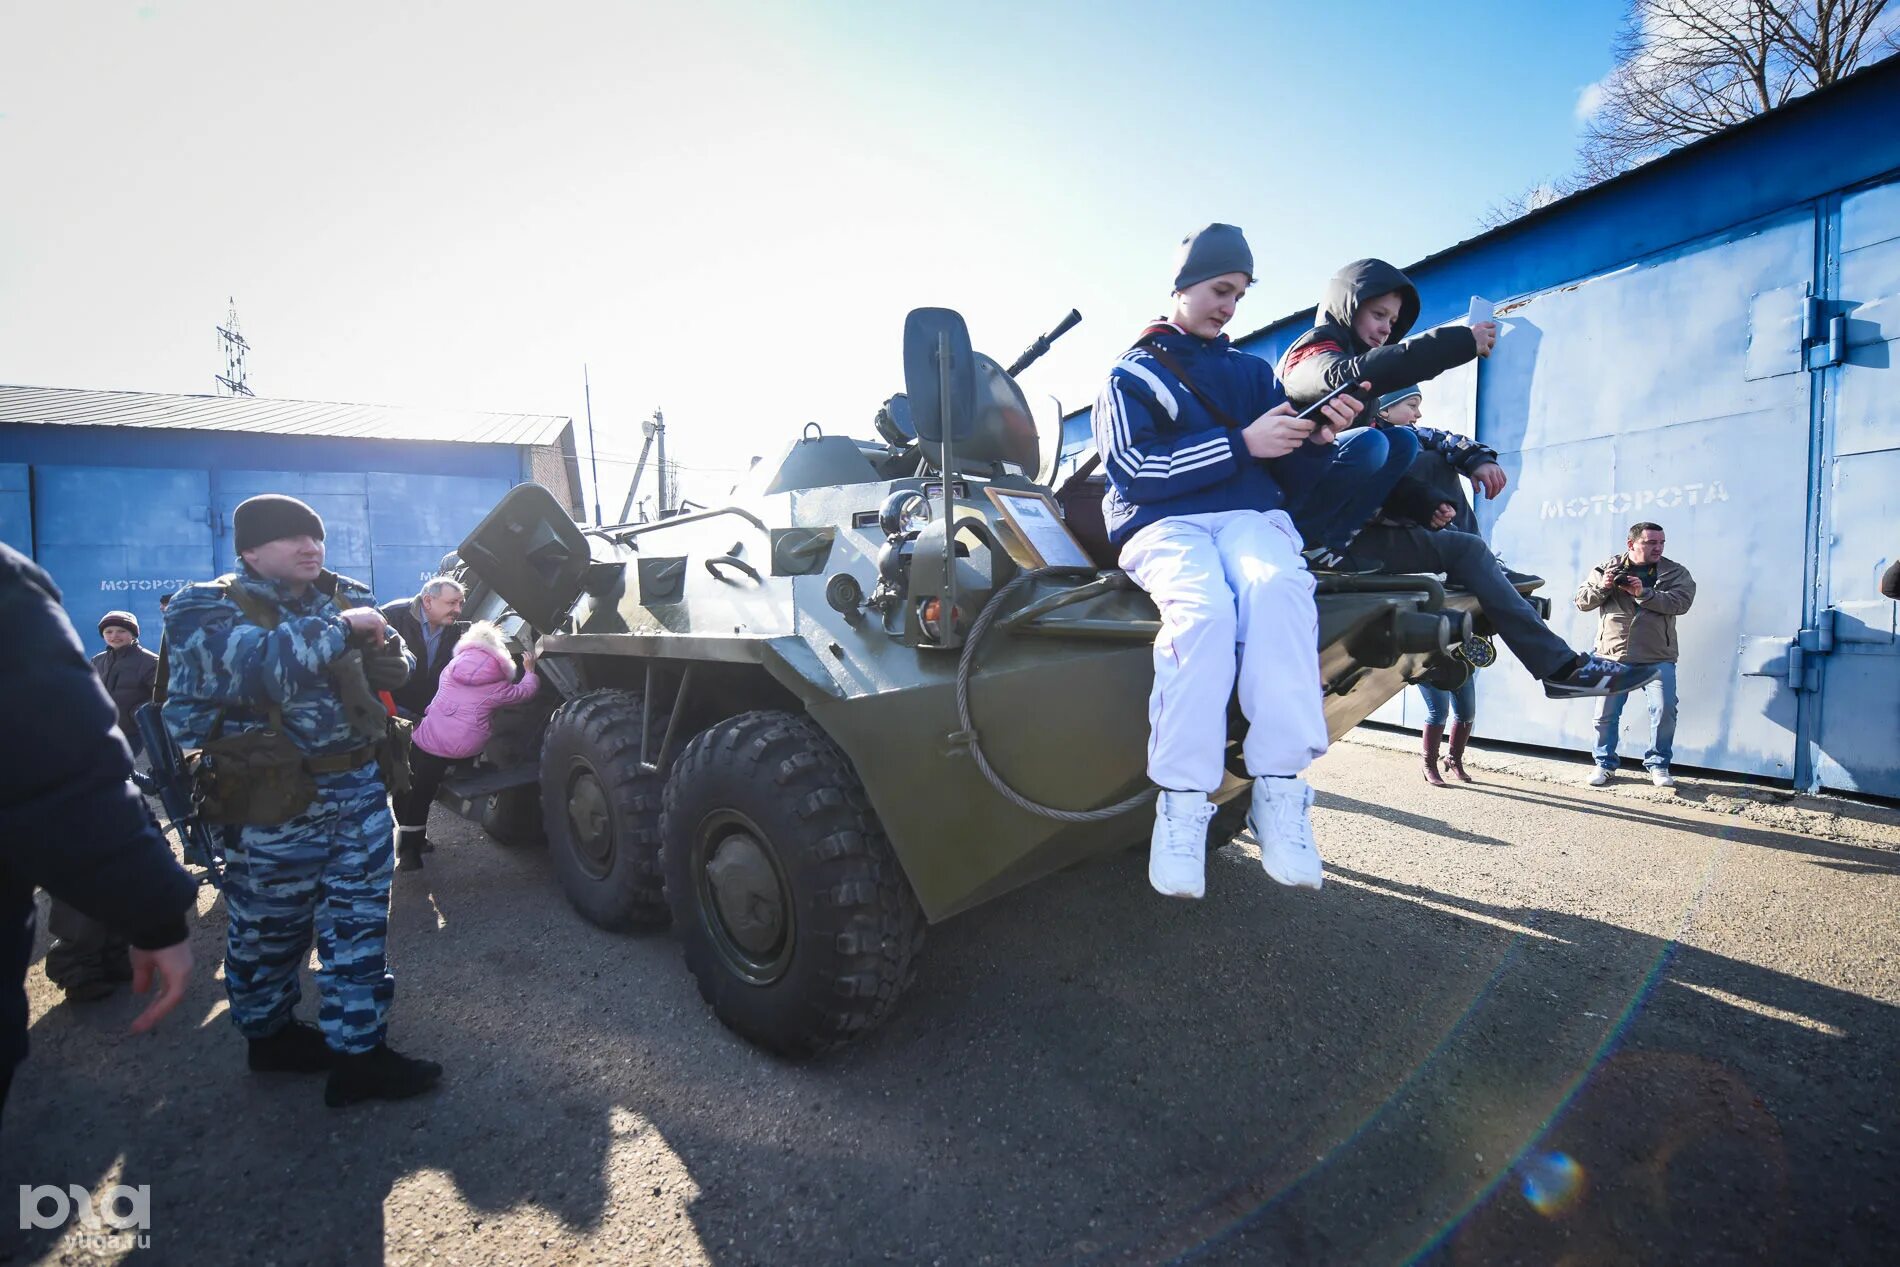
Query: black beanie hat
{"x":269,"y":516}
{"x":124,"y":620}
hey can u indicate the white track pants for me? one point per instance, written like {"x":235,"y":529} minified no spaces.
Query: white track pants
{"x":1231,"y":587}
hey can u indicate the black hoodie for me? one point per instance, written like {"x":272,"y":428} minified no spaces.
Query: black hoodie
{"x":1330,"y":354}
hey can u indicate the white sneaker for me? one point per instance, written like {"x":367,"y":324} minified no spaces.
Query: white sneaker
{"x":1177,"y":852}
{"x":1599,"y":777}
{"x":1660,"y":776}
{"x":1280,"y":823}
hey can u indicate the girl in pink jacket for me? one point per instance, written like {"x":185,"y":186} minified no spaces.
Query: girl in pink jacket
{"x":478,"y":680}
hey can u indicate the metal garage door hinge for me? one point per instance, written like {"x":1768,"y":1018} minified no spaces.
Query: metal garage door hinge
{"x":1823,"y":334}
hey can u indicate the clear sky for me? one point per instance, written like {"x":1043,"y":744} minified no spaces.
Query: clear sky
{"x":723,"y":207}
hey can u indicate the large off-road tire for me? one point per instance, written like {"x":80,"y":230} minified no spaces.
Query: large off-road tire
{"x":798,"y":923}
{"x":601,"y":813}
{"x":512,"y":818}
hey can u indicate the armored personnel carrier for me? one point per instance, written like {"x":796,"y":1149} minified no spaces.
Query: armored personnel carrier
{"x":882,"y":684}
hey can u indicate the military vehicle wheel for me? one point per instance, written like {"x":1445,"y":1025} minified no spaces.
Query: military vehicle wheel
{"x":601,"y":813}
{"x":798,"y":923}
{"x":512,"y":818}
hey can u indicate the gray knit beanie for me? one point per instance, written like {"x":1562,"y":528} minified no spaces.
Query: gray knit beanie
{"x":1390,"y":399}
{"x":1217,"y":249}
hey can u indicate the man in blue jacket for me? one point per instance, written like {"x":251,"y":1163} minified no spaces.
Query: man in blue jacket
{"x":70,"y":820}
{"x":261,"y":650}
{"x":1185,"y":426}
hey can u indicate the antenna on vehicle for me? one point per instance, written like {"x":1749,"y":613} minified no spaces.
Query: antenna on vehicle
{"x":593,"y":454}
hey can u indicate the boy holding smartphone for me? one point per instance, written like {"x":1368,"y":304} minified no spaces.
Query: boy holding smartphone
{"x":1186,"y":426}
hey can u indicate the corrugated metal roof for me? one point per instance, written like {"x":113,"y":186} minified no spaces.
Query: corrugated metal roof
{"x":79,"y":407}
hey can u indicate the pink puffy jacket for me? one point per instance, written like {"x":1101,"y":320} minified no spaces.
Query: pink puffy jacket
{"x":476,"y":682}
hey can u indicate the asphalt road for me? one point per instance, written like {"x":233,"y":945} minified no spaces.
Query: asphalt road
{"x":1671,"y":1023}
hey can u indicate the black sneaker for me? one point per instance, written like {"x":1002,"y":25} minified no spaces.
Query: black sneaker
{"x":1593,"y":675}
{"x":296,"y":1048}
{"x":378,"y":1074}
{"x":1325,"y":562}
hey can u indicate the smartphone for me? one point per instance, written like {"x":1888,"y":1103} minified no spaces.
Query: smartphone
{"x":1338,"y":391}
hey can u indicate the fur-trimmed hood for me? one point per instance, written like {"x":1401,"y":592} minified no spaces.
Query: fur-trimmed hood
{"x":481,"y":657}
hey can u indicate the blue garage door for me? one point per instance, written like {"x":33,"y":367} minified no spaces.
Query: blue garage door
{"x":16,"y":508}
{"x":1852,"y":641}
{"x":119,"y":537}
{"x":1674,"y":391}
{"x":416,"y":519}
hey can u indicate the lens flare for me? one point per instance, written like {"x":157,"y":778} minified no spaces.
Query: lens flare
{"x":1552,"y":1182}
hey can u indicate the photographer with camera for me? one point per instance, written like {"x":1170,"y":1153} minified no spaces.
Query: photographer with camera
{"x":1637,"y":596}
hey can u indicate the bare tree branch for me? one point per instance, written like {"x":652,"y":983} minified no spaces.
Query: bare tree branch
{"x":1686,"y":69}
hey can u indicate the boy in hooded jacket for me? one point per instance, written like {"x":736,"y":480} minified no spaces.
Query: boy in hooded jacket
{"x":1185,"y":427}
{"x":457,"y":724}
{"x":1358,"y":335}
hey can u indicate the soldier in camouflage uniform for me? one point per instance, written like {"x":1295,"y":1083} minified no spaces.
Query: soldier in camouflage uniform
{"x":326,"y":870}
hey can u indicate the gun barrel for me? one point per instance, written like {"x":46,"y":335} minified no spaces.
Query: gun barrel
{"x":174,"y":791}
{"x":1034,"y":351}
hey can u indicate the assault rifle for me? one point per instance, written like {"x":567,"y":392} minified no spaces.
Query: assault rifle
{"x":173,"y":787}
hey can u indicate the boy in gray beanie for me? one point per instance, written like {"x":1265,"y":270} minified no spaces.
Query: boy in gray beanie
{"x":1186,"y":425}
{"x":1217,"y":249}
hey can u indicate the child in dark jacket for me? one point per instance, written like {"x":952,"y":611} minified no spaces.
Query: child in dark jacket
{"x":1358,"y":335}
{"x":1185,"y":427}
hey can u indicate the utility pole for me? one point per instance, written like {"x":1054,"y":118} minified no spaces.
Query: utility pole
{"x":651,"y":429}
{"x":593,"y":454}
{"x":666,"y":471}
{"x":232,"y":381}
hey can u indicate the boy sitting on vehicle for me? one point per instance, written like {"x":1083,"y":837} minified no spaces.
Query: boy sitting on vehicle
{"x":1185,"y":426}
{"x":1358,"y":335}
{"x":1414,"y":533}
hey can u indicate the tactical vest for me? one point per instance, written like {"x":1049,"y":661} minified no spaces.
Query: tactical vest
{"x":257,"y":778}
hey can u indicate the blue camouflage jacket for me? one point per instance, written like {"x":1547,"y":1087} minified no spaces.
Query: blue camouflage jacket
{"x":219,"y":660}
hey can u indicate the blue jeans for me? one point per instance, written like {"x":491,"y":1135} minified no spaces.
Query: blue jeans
{"x":1662,"y":722}
{"x":1338,"y":490}
{"x":1440,"y":704}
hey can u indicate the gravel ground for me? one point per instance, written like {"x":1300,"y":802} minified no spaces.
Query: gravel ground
{"x":1673,"y":1021}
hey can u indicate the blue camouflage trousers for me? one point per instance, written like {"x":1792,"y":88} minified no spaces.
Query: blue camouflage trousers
{"x":325,"y":872}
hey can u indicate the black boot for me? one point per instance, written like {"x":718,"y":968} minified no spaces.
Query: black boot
{"x":408,"y":855}
{"x":378,"y":1074}
{"x":296,"y":1048}
{"x":88,"y":989}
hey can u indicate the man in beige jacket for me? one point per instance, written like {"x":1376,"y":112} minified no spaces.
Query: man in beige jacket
{"x":1637,"y":596}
